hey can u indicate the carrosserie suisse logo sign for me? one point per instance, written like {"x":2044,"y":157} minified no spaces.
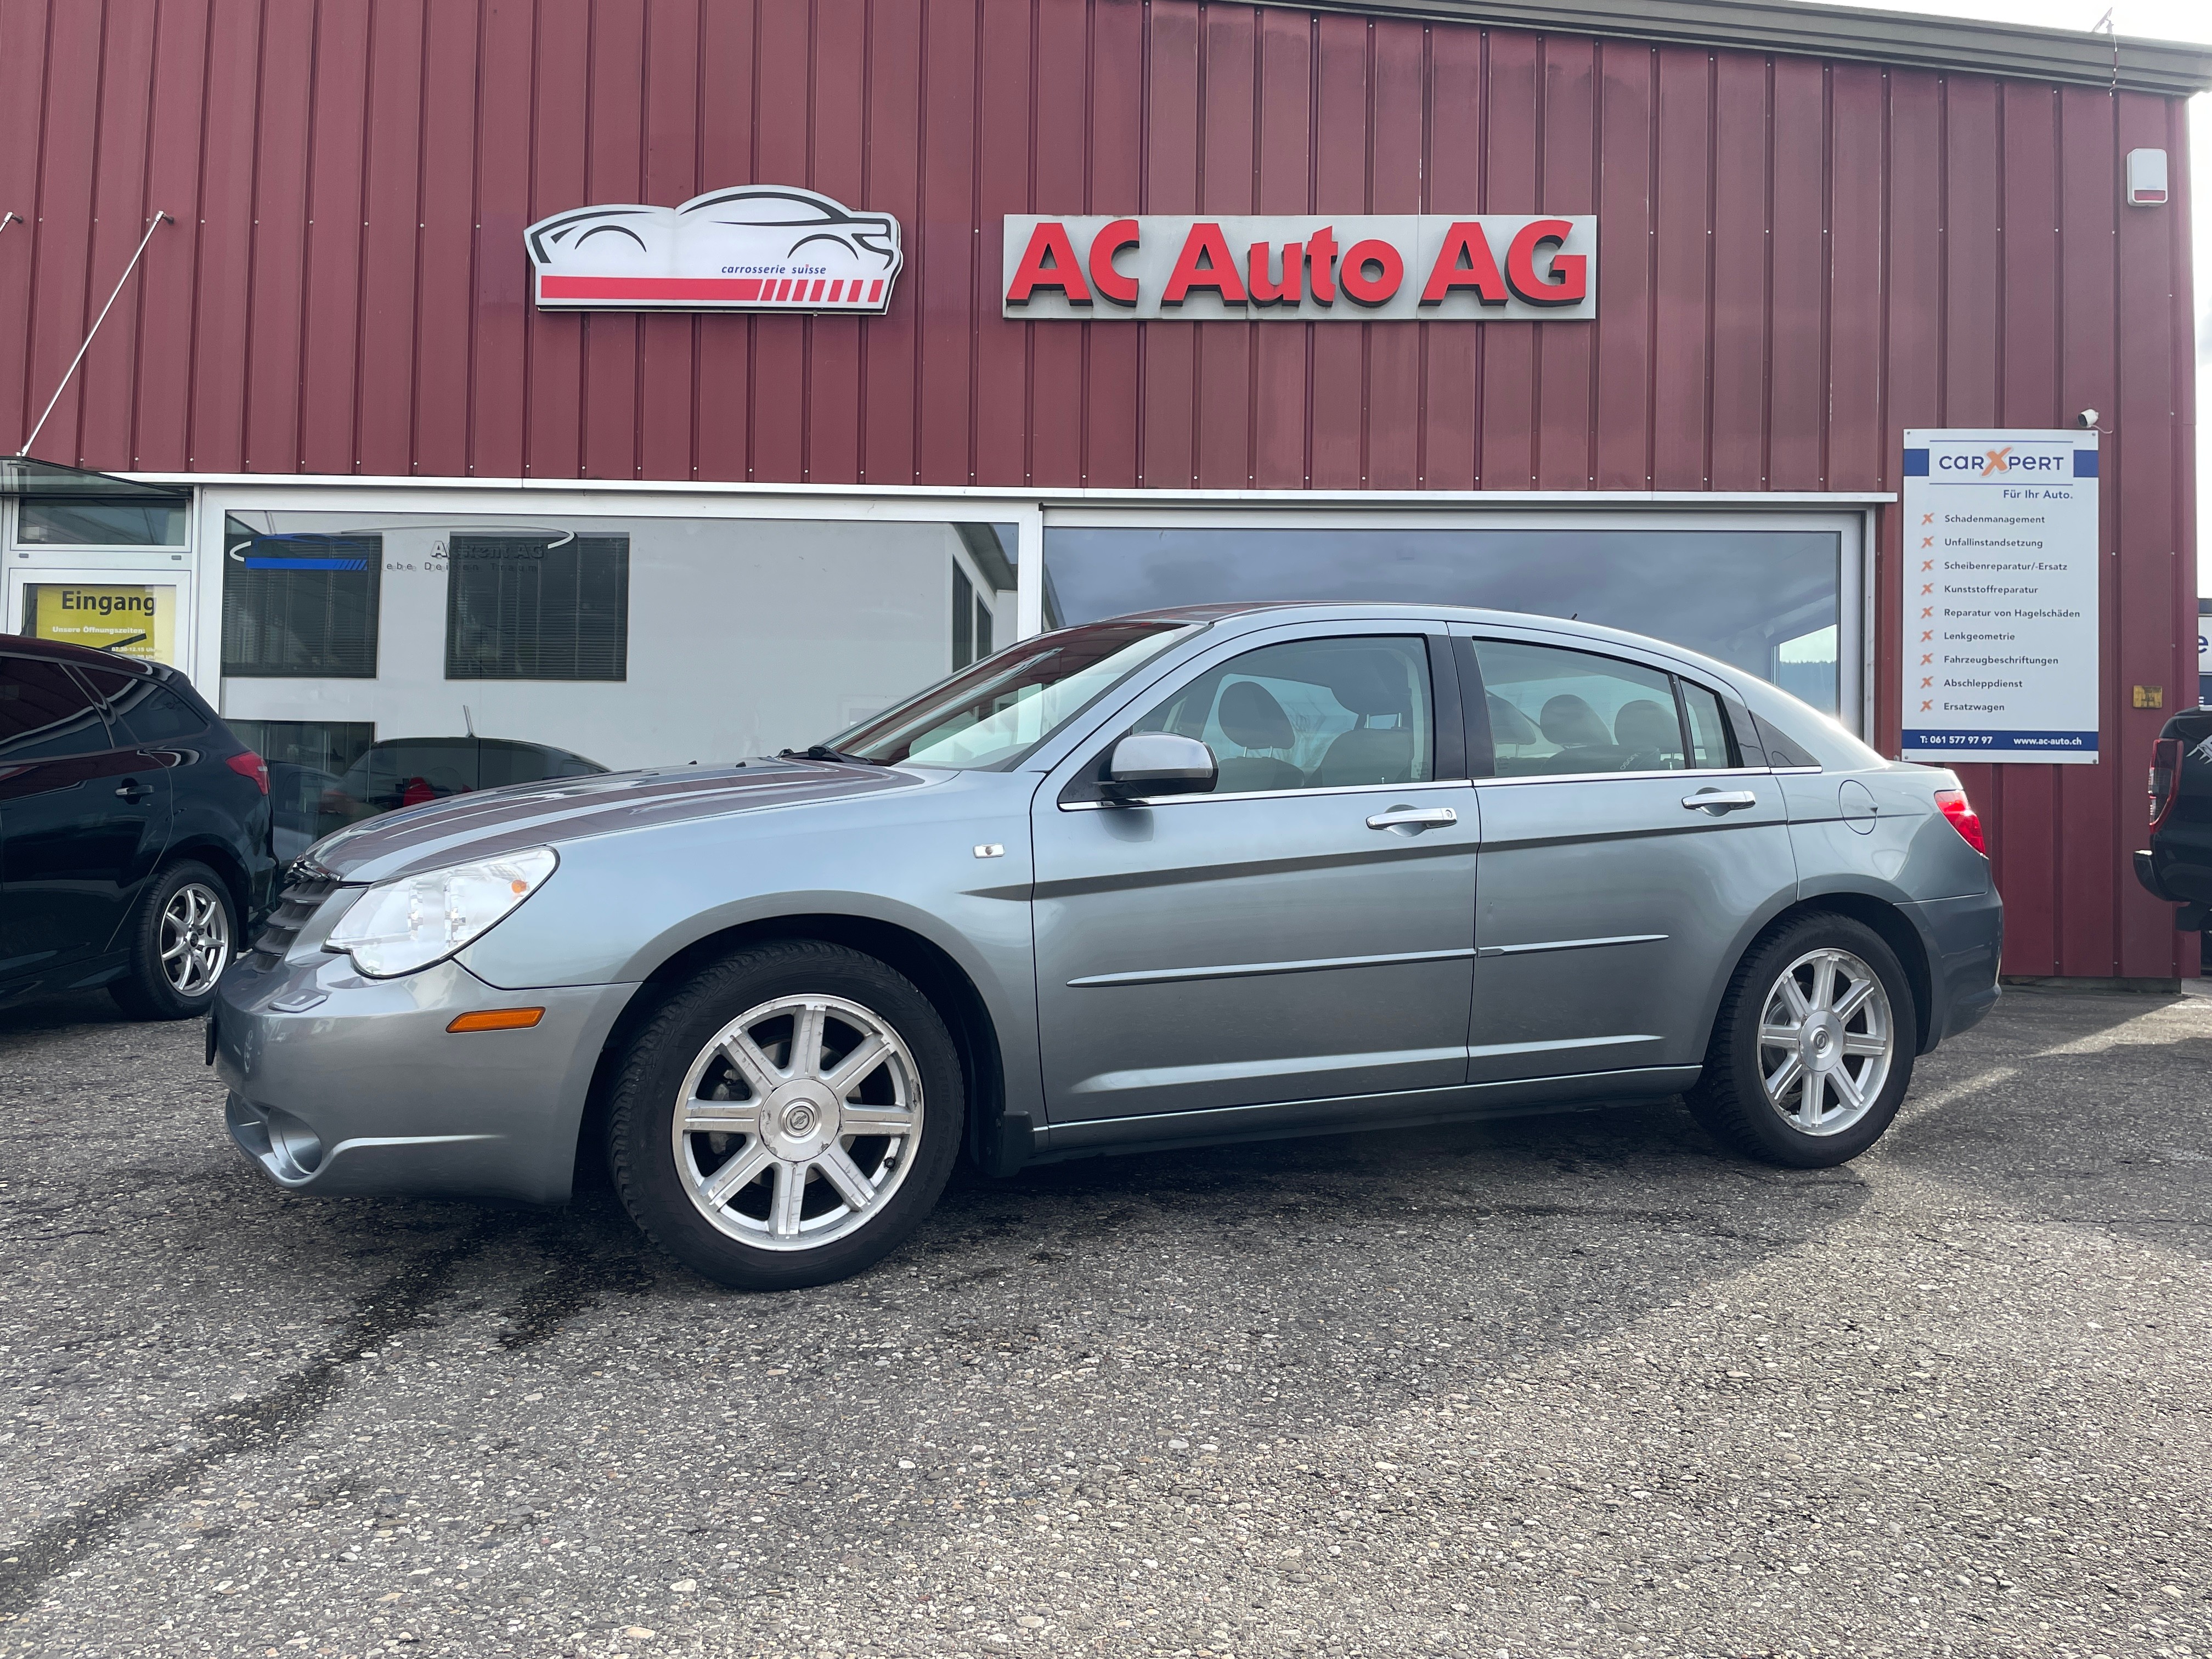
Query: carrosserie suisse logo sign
{"x":1313,"y":268}
{"x":757,"y":247}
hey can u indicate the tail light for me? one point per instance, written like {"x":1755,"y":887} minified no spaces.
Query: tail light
{"x":2165,"y":767}
{"x":1952,"y":803}
{"x":250,"y":765}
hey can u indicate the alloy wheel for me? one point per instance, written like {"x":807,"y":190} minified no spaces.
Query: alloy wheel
{"x":797,"y":1122}
{"x":1826,"y":1041}
{"x":195,"y":939}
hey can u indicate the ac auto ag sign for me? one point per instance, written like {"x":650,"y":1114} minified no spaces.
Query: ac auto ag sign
{"x":1316,"y":269}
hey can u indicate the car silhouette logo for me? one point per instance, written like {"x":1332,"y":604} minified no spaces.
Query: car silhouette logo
{"x":757,"y":247}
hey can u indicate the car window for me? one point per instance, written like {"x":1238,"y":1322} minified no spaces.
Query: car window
{"x":1311,"y":715}
{"x":150,"y":713}
{"x":46,"y":713}
{"x":1554,"y":712}
{"x":407,"y":774}
{"x":1709,"y":726}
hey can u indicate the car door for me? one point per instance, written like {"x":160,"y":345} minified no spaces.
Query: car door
{"x":83,"y":816}
{"x":1625,"y":851}
{"x":1303,"y":932}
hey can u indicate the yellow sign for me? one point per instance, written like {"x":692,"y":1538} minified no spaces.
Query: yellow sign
{"x":125,"y":621}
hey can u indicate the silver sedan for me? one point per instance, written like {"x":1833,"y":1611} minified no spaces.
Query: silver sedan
{"x":1194,"y":876}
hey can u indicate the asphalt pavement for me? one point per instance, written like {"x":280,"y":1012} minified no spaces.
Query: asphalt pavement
{"x":1576,"y":1385}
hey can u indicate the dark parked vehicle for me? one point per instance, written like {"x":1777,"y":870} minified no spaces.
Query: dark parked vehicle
{"x":134,"y":831}
{"x":2176,"y":865}
{"x":409,"y":771}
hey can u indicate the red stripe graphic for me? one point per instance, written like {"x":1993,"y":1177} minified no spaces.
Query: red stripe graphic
{"x":727,"y":290}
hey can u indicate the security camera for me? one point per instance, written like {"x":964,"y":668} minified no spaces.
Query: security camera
{"x":2087,"y":417}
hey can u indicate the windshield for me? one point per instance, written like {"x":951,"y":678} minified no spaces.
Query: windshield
{"x":994,"y":714}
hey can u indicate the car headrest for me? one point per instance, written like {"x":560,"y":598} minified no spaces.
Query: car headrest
{"x":1367,"y":682}
{"x":1508,"y":725}
{"x":1644,"y":725}
{"x":1573,"y":724}
{"x":1250,"y":717}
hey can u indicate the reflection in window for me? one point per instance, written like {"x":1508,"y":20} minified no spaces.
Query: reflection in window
{"x":1740,"y":595}
{"x":524,"y":608}
{"x":299,"y":604}
{"x":1310,"y":714}
{"x":64,"y":523}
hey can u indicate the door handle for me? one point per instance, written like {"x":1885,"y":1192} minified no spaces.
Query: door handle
{"x":1412,"y":817}
{"x":1718,"y":801}
{"x":133,"y":791}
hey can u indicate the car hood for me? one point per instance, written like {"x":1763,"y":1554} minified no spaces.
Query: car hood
{"x":490,"y":822}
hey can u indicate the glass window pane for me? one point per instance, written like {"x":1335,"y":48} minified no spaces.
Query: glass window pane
{"x":1555,"y":712}
{"x":299,"y":605}
{"x":148,"y":713}
{"x":1310,"y":714}
{"x":1709,"y":737}
{"x":100,"y":523}
{"x":519,"y":608}
{"x":1769,"y":601}
{"x":45,"y":713}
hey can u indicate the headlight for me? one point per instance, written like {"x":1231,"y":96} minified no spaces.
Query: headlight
{"x":411,"y":921}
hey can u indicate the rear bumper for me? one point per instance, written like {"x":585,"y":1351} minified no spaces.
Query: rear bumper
{"x":2173,"y":880}
{"x":1964,"y":938}
{"x":360,"y":1090}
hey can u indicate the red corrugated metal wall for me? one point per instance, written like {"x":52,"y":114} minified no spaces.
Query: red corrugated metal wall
{"x":1799,"y":259}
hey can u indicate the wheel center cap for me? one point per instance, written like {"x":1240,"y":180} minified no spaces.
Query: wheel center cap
{"x":1823,"y":1041}
{"x":799,"y":1120}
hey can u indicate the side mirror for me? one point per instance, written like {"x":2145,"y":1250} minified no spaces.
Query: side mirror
{"x":1158,"y":763}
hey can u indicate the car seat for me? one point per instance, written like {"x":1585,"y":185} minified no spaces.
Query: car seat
{"x":1647,"y":735}
{"x":1372,"y":685}
{"x":1249,"y":717}
{"x":1584,"y":744}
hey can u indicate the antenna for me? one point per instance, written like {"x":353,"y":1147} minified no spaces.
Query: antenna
{"x":468,"y":719}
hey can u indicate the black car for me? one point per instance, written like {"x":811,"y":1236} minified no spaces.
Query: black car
{"x":134,"y":831}
{"x":2176,"y":865}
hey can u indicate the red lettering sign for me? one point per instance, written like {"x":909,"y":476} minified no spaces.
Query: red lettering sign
{"x":1358,"y":287}
{"x":1218,"y":272}
{"x":1465,"y":261}
{"x":1259,"y":275}
{"x":1111,"y":284}
{"x":1049,"y":241}
{"x":1569,"y":282}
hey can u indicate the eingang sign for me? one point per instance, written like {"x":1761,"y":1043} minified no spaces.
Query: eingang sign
{"x":1310,"y":269}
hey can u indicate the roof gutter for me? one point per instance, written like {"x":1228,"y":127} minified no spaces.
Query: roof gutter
{"x":1909,"y":39}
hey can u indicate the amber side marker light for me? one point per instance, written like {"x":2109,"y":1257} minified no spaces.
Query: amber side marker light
{"x":497,"y":1019}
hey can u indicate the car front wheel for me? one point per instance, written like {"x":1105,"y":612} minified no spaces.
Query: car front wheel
{"x":1812,"y":1052}
{"x":787,"y":1118}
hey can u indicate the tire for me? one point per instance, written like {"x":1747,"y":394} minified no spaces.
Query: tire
{"x":1857,"y":1050}
{"x":769,"y":1204}
{"x":181,"y":937}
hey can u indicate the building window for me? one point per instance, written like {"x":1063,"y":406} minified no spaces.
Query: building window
{"x":529,"y":608}
{"x":299,"y":605}
{"x":1769,"y":600}
{"x":61,"y":522}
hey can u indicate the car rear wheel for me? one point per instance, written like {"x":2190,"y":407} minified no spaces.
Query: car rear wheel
{"x":788,"y":1118}
{"x":1812,"y":1052}
{"x":181,"y":938}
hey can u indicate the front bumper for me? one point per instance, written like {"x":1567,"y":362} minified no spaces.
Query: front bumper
{"x":350,"y":1086}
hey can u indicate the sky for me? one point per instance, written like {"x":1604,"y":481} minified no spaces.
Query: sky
{"x":2155,"y":20}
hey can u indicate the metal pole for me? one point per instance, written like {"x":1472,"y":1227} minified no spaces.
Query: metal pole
{"x":159,"y":220}
{"x":12,"y":217}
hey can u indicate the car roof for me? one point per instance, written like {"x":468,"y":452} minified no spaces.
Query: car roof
{"x":56,"y":651}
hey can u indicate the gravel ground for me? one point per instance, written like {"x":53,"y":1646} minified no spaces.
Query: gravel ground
{"x":1577,"y":1385}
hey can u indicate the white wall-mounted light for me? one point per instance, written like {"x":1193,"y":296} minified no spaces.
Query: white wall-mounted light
{"x":2146,"y":178}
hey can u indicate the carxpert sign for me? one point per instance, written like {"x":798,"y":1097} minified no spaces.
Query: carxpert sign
{"x":757,"y":247}
{"x":1400,"y":266}
{"x":2000,"y":570}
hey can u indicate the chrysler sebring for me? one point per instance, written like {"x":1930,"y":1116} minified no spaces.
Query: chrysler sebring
{"x":1194,"y":876}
